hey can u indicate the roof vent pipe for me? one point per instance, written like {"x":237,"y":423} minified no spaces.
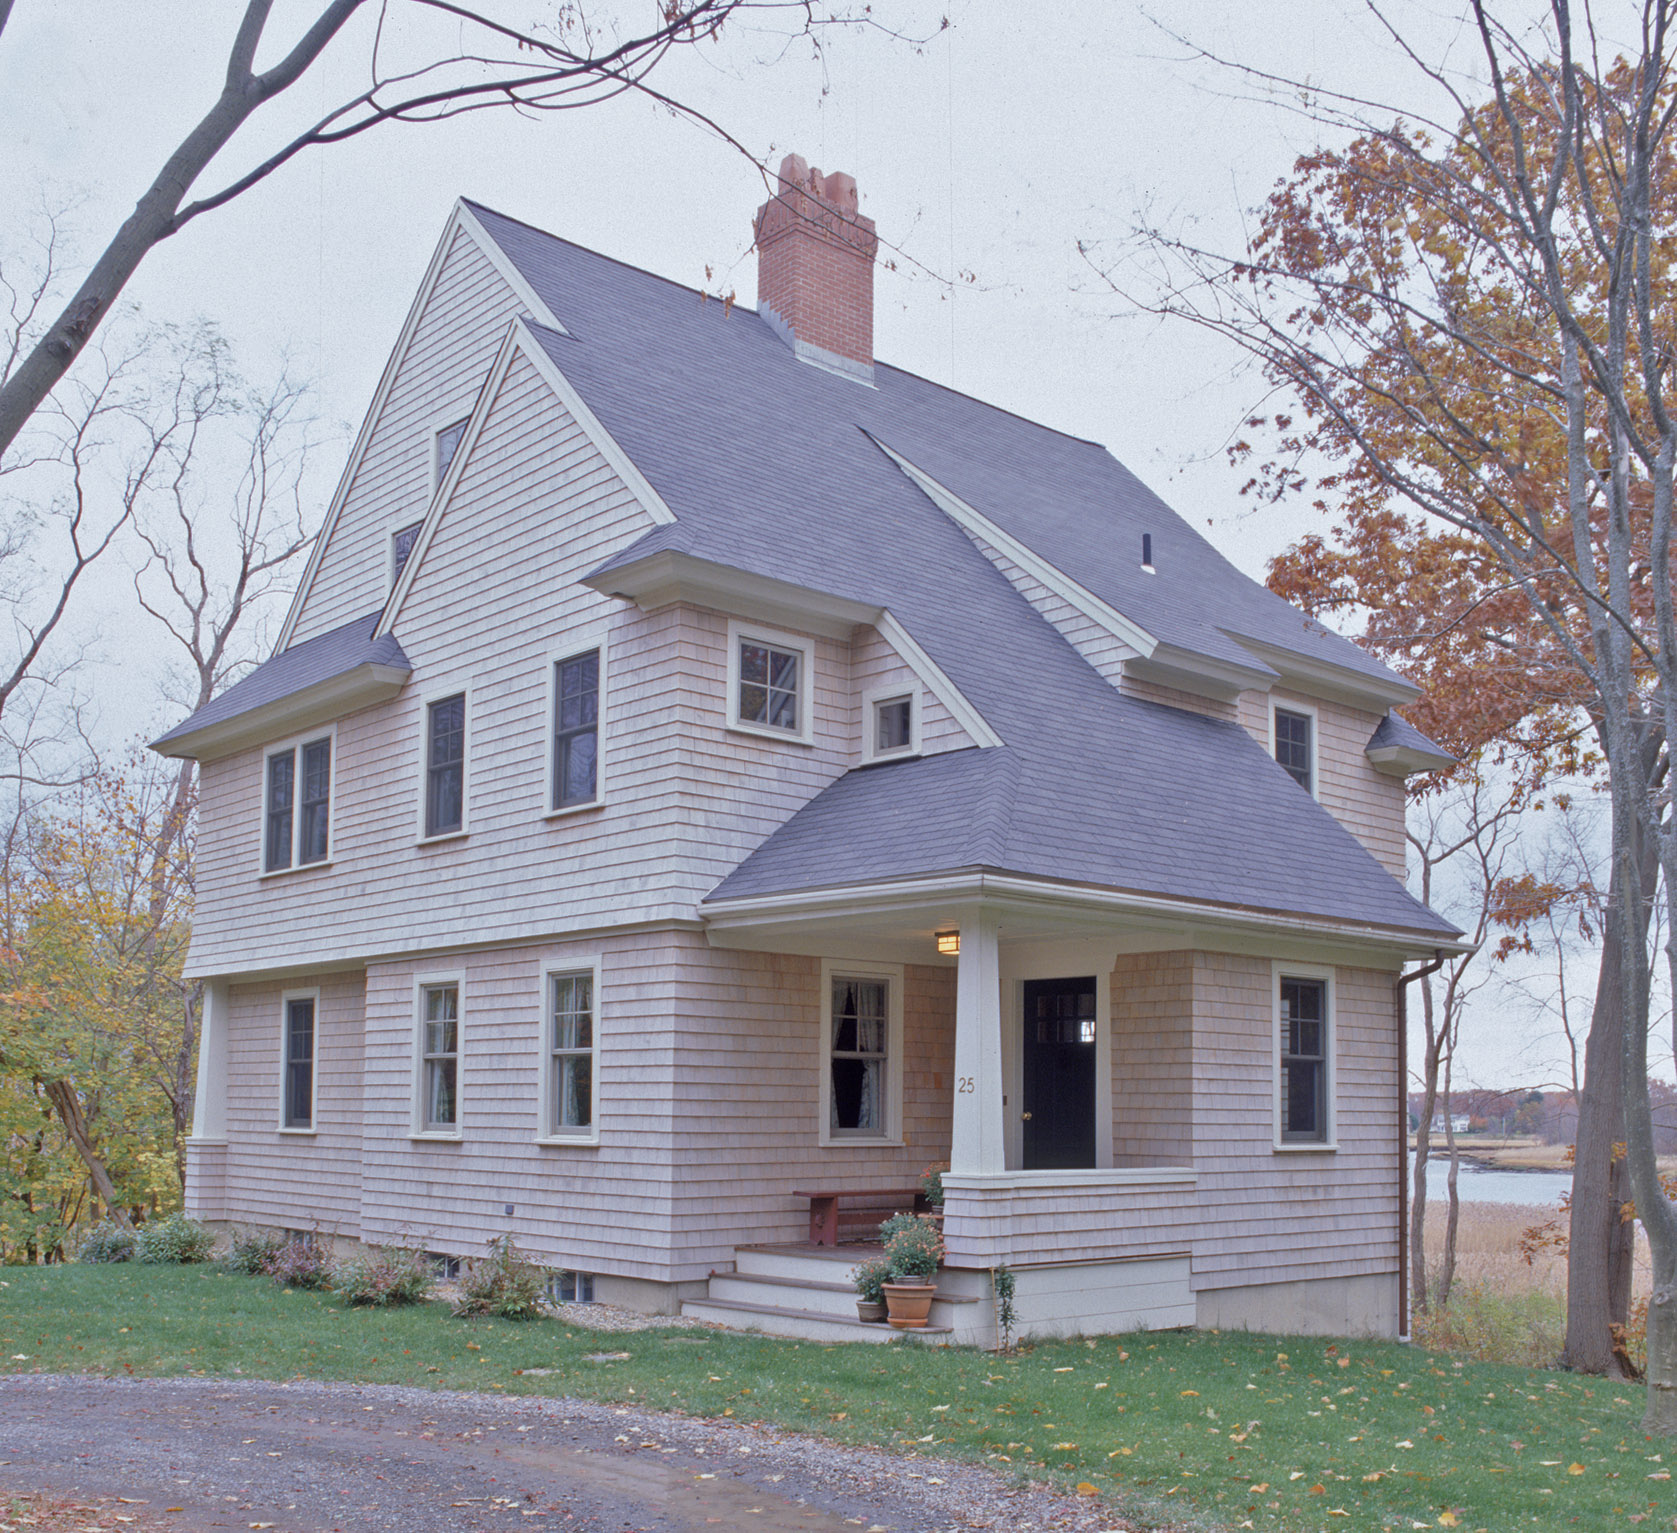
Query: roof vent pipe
{"x":1147,"y":553}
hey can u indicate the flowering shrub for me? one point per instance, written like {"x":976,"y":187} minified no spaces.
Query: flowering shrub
{"x":175,"y":1239}
{"x":870,"y":1279}
{"x":252,"y":1253}
{"x":298,"y":1264}
{"x":107,"y":1242}
{"x":505,"y":1283}
{"x":384,"y":1277}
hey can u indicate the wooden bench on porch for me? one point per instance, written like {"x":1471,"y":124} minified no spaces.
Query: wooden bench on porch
{"x":871,"y":1207}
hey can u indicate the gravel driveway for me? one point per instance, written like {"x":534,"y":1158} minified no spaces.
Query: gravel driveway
{"x":202,"y":1454}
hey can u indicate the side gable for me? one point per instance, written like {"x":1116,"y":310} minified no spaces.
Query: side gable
{"x":437,"y":369}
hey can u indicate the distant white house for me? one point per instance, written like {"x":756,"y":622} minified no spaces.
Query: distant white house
{"x":706,"y":768}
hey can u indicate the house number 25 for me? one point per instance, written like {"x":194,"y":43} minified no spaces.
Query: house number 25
{"x":965,"y":1086}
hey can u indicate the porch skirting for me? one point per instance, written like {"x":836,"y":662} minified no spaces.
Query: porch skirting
{"x":1023,"y":1218}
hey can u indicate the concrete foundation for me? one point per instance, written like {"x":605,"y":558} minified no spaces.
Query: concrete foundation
{"x":1335,"y":1306}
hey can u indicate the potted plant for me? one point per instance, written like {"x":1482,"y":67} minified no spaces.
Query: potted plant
{"x":913,"y":1249}
{"x":870,"y":1279}
{"x":931,"y":1188}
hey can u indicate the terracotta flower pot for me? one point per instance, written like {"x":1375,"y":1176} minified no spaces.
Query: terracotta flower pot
{"x":909,"y":1302}
{"x":870,"y":1310}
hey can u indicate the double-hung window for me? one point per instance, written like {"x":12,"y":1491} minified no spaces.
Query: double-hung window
{"x":570,"y":1054}
{"x":1304,"y":1078}
{"x":439,"y":1057}
{"x":770,"y":683}
{"x":575,"y":765}
{"x":297,"y":1054}
{"x":862,"y":1054}
{"x":445,"y":765}
{"x":297,"y":806}
{"x":1295,"y":746}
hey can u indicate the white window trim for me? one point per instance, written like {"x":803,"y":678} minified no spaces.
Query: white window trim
{"x":294,"y":745}
{"x":286,"y":998}
{"x":1279,"y":970}
{"x":870,"y":732}
{"x":580,"y":645}
{"x":546,"y":1133}
{"x":439,"y":694}
{"x":390,"y":575}
{"x":831,"y":969}
{"x":805,"y":732}
{"x":1309,"y":710}
{"x":417,"y":1128}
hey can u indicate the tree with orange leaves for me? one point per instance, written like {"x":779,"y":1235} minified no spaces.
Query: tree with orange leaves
{"x":1474,"y":314}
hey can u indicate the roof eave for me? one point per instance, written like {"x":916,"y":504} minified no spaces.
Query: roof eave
{"x":966,"y":885}
{"x":1342,"y":683}
{"x":359,"y":687}
{"x":657,"y":579}
{"x":1406,"y":760}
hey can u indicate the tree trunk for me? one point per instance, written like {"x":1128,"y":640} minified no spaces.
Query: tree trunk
{"x":1447,"y":1261}
{"x":1600,"y":1241}
{"x":62,"y":1095}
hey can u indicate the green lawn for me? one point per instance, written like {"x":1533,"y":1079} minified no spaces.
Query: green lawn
{"x":1221,"y":1431}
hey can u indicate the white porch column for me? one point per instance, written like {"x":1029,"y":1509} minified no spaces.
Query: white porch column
{"x":209,"y":1103}
{"x":978,"y":1144}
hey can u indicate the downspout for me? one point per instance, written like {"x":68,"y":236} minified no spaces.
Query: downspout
{"x":1400,"y":987}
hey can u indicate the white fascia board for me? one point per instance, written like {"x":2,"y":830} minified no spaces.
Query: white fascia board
{"x":1187,"y":671}
{"x":1326,"y":679}
{"x":1013,"y":889}
{"x":460,"y":219}
{"x":456,"y":467}
{"x":651,"y":501}
{"x":934,"y":680}
{"x":1057,"y":581}
{"x":671,"y":575}
{"x":359,"y":687}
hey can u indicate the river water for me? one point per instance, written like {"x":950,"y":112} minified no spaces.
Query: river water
{"x":1478,"y":1184}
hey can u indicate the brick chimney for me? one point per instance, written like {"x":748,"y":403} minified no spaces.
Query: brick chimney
{"x":815,"y":268}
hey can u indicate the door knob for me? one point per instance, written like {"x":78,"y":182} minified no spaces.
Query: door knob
{"x":1026,"y":1117}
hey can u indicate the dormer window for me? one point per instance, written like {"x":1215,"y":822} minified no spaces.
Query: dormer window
{"x":890,"y":723}
{"x":447,"y":444}
{"x":1295,"y":746}
{"x":769,"y":677}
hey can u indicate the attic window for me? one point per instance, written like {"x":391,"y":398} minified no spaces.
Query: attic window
{"x":401,"y":545}
{"x":448,"y":443}
{"x":890,"y":723}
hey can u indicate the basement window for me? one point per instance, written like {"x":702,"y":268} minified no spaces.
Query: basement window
{"x":564,"y":1287}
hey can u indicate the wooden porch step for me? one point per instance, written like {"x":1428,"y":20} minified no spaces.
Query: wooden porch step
{"x":808,"y":1293}
{"x":806,"y":1325}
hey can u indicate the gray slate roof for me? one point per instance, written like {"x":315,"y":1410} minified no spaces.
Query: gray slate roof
{"x":768,"y":466}
{"x":291,"y":670}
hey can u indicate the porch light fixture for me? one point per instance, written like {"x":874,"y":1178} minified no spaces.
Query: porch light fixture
{"x":949,"y":943}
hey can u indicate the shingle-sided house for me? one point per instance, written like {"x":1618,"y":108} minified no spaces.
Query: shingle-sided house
{"x":706,"y":768}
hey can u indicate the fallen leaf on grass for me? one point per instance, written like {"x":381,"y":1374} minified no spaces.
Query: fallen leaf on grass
{"x":1574,"y":1468}
{"x":1084,"y":1488}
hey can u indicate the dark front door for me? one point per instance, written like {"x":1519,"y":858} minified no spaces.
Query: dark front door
{"x":1059,"y":1069}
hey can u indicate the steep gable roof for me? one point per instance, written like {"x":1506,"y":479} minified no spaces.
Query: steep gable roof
{"x":772,"y":466}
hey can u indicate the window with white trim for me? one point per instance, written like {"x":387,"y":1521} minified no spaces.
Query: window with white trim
{"x":890,"y":723}
{"x":445,"y":765}
{"x":861,"y":1067}
{"x":1304,"y":1080}
{"x":439,"y":1057}
{"x":297,"y":1050}
{"x":1295,"y":746}
{"x":571,"y":1054}
{"x":770,"y":682}
{"x":297,"y":806}
{"x":575,"y":767}
{"x":447,"y":444}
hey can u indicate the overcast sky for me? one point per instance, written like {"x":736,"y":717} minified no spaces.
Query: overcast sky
{"x":987,"y":154}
